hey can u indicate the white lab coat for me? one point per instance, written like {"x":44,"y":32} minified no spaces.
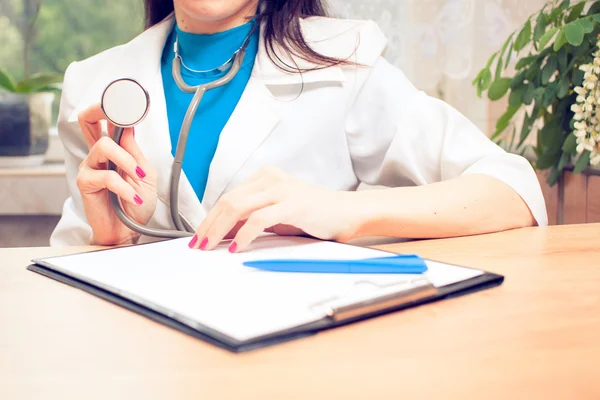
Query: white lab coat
{"x":350,"y":124}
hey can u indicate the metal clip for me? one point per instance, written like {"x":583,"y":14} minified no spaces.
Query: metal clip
{"x":383,"y":297}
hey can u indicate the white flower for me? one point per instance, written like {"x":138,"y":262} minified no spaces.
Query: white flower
{"x":587,"y":110}
{"x":580,"y":133}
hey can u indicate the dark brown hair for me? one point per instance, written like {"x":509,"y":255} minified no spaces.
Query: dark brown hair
{"x":281,"y":28}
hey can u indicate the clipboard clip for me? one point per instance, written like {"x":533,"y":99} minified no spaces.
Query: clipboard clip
{"x":381,"y":297}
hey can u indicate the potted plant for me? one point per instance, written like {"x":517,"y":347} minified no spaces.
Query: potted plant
{"x":552,"y":87}
{"x":26,"y":117}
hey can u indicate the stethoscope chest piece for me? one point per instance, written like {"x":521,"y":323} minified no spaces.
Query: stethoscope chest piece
{"x":125,"y":102}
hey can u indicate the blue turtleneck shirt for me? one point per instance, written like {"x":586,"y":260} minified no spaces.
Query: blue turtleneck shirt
{"x":204,"y":52}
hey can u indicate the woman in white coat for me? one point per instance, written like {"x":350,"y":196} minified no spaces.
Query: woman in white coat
{"x":319,"y":112}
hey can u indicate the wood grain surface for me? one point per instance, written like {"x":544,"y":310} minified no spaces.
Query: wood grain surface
{"x":535,"y":337}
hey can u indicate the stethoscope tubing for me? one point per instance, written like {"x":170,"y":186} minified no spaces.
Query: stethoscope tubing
{"x":183,"y":229}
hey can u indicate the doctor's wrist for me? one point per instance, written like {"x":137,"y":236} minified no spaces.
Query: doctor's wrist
{"x":365,"y":214}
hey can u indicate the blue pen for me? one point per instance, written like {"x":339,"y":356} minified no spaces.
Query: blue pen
{"x":401,"y":264}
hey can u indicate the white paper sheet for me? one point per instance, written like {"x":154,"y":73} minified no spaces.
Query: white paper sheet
{"x":214,"y":288}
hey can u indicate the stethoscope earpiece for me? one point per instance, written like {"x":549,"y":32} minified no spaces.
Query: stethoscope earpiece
{"x":125,"y":102}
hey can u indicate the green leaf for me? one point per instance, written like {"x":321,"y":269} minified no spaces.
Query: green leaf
{"x":498,"y":89}
{"x":560,"y":41}
{"x":506,"y":44}
{"x":586,"y":24}
{"x":509,"y":56}
{"x":525,"y":61}
{"x":38,"y":82}
{"x":549,"y":69}
{"x":582,"y":162}
{"x":538,"y":95}
{"x":574,"y":33}
{"x":499,"y":68}
{"x":596,"y":17}
{"x":533,"y":71}
{"x":517,"y":80}
{"x":540,"y":27}
{"x":523,"y":37}
{"x":570,"y":144}
{"x":563,"y":87}
{"x":515,"y":99}
{"x":505,"y":119}
{"x":576,"y":12}
{"x":551,"y":136}
{"x":6,"y":81}
{"x":547,"y":37}
{"x":528,"y":121}
{"x":594,"y":8}
{"x":562,"y":60}
{"x":553,"y":176}
{"x":578,"y":77}
{"x":486,"y":79}
{"x":529,"y":93}
{"x":491,"y":60}
{"x":550,"y":94}
{"x":546,"y":160}
{"x":564,"y":160}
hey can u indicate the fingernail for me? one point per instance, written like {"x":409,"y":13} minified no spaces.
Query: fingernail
{"x":193,"y":242}
{"x":204,"y":244}
{"x":232,"y":247}
{"x":138,"y":200}
{"x":140,"y":172}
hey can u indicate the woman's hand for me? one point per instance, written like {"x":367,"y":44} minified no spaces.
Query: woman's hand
{"x":135,"y":183}
{"x":277,"y":202}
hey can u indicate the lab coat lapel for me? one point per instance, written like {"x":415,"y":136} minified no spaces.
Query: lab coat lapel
{"x":250,"y":124}
{"x":255,"y":116}
{"x":154,"y":138}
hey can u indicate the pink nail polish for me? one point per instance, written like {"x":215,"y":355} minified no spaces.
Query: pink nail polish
{"x":138,"y":200}
{"x":204,"y":244}
{"x":140,"y":172}
{"x":232,"y":247}
{"x":193,"y":242}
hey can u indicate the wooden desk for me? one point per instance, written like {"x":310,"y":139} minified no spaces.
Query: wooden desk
{"x":536,"y":336}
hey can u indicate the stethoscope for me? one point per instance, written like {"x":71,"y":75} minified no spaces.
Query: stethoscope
{"x":126,"y":103}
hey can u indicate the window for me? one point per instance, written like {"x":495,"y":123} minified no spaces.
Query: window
{"x":45,"y":36}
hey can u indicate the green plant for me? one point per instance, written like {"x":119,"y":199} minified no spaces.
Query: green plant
{"x":551,"y":45}
{"x":35,"y":83}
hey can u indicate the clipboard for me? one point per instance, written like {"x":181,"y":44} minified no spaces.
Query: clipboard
{"x":337,"y":310}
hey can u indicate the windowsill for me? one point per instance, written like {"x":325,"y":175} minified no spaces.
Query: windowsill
{"x":44,"y":170}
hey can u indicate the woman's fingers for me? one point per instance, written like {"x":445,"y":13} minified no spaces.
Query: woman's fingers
{"x":106,"y":150}
{"x":90,"y":123}
{"x":90,"y":181}
{"x":228,"y":201}
{"x":257,"y":223}
{"x":234,"y":210}
{"x":130,"y":145}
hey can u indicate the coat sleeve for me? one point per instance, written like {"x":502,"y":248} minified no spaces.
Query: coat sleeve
{"x":399,"y":136}
{"x":73,"y":228}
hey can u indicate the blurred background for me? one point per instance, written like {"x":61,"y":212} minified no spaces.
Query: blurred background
{"x":440,"y":44}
